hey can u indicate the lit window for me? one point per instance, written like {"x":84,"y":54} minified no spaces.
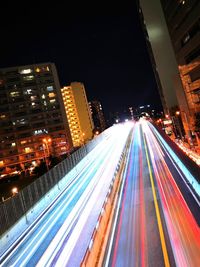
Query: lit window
{"x":33,"y":103}
{"x":45,"y":103}
{"x":21,"y":121}
{"x":23,"y":142}
{"x":27,"y":149}
{"x":33,"y":97}
{"x":25,"y":71}
{"x":40,"y":131}
{"x":14,"y":94}
{"x":49,"y":88}
{"x":3,"y":116}
{"x":1,"y":163}
{"x":43,"y":96}
{"x":37,"y":69}
{"x":28,"y":78}
{"x":52,"y":100}
{"x":28,"y":92}
{"x":13,"y":144}
{"x":47,"y":68}
{"x":51,"y":95}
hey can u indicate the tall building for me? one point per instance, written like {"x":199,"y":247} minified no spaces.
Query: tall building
{"x":165,"y":59}
{"x":162,"y":49}
{"x":78,"y":113}
{"x":97,"y":116}
{"x":183,"y":21}
{"x":33,"y":123}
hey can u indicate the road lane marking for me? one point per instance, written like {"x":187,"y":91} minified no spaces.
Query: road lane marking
{"x":160,"y":228}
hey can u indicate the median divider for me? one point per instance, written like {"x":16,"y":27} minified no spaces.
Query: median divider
{"x":96,"y":249}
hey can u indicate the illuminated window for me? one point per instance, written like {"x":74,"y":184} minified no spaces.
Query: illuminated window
{"x":23,"y":142}
{"x":49,"y":88}
{"x":52,"y":100}
{"x":40,"y":131}
{"x":21,"y":121}
{"x":45,"y":103}
{"x":28,"y":78}
{"x":37,"y":69}
{"x":43,"y":96}
{"x":2,"y":116}
{"x":33,"y":103}
{"x":47,"y":68}
{"x":51,"y":95}
{"x":28,"y":92}
{"x":14,"y":94}
{"x":27,"y":149}
{"x":33,"y":97}
{"x":13,"y":144}
{"x":25,"y":71}
{"x":1,"y":163}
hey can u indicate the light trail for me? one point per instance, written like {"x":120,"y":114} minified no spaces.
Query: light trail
{"x":183,"y":230}
{"x":75,"y":204}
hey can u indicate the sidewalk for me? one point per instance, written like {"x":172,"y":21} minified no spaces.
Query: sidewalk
{"x":194,"y":155}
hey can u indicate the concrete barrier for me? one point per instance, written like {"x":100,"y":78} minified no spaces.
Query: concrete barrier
{"x":96,"y":249}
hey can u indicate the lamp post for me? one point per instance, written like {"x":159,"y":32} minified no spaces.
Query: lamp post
{"x":14,"y":191}
{"x":45,"y":145}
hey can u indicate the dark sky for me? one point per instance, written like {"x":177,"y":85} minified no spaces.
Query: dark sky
{"x":98,"y":44}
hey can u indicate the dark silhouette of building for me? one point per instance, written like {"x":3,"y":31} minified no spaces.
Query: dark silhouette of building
{"x":97,"y":116}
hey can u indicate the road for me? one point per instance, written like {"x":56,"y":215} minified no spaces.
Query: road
{"x":157,"y":217}
{"x":69,"y":223}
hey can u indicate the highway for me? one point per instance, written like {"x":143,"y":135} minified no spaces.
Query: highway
{"x":156,"y":219}
{"x":69,"y":223}
{"x":154,"y":224}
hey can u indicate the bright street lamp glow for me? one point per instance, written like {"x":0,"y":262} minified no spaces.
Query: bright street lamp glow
{"x":14,"y":190}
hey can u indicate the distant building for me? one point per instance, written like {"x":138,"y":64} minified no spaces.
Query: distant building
{"x":97,"y":116}
{"x":121,"y":116}
{"x":78,"y":113}
{"x":146,"y":111}
{"x":33,"y":123}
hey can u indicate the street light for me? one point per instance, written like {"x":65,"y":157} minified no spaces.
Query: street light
{"x":47,"y":141}
{"x":45,"y":145}
{"x":14,"y":191}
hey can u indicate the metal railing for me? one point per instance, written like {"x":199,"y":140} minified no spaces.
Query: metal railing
{"x":16,"y":207}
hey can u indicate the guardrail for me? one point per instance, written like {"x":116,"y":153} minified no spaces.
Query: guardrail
{"x":14,"y":208}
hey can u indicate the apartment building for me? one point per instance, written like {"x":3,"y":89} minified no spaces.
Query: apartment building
{"x":78,"y":113}
{"x":97,"y":115}
{"x":33,"y":122}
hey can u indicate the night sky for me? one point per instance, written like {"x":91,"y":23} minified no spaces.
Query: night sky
{"x":98,"y":44}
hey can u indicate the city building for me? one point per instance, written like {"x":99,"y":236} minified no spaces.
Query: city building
{"x":165,"y":60}
{"x":183,"y":21}
{"x":78,"y":113}
{"x":33,"y":123}
{"x":97,"y":116}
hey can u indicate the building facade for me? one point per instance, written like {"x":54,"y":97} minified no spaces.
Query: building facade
{"x":163,"y":53}
{"x":78,"y":113}
{"x":33,"y":123}
{"x":166,"y":62}
{"x":183,"y":21}
{"x":97,"y":116}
